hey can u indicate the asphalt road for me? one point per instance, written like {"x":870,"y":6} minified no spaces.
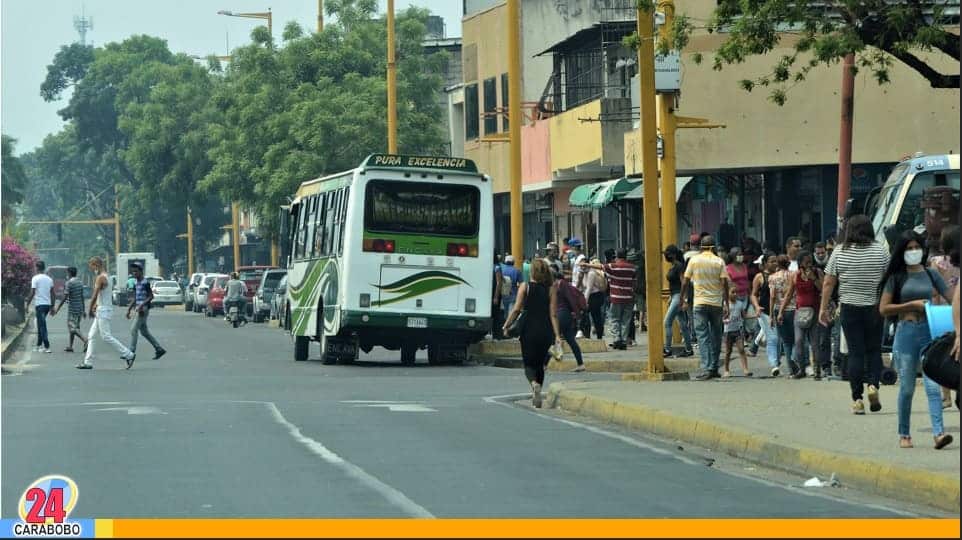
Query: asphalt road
{"x":228,"y":425}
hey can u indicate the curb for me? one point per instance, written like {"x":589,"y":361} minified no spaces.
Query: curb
{"x":591,"y":366}
{"x":894,"y":481}
{"x":13,"y":342}
{"x":512,"y":347}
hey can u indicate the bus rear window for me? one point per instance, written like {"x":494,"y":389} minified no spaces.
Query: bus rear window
{"x":421,"y":208}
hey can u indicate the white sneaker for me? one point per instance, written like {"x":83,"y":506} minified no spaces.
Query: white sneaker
{"x":809,"y":370}
{"x":580,"y":335}
{"x":776,"y":372}
{"x":536,"y":395}
{"x":47,"y":351}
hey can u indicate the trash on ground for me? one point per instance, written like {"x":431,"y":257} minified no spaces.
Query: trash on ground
{"x":815,"y":482}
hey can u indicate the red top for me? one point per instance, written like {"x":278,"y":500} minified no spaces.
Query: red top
{"x":621,"y":282}
{"x":740,"y":279}
{"x":806,"y":295}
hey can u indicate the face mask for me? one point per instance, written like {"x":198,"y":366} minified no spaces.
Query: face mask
{"x":739,"y":259}
{"x":822,"y":259}
{"x":913,"y":257}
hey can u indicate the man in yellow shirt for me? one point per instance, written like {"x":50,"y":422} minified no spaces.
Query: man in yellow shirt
{"x":706,"y":272}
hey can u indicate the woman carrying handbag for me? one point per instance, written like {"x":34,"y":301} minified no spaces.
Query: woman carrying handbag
{"x":538,"y":328}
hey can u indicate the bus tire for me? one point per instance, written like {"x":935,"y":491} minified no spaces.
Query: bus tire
{"x":301,"y":348}
{"x":408,"y":354}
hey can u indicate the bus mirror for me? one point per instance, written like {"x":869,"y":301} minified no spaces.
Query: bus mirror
{"x":892,"y":233}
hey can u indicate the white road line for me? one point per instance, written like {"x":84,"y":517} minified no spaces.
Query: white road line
{"x":392,"y":495}
{"x":501,"y":400}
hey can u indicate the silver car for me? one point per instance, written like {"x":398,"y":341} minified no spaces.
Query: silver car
{"x":166,"y":293}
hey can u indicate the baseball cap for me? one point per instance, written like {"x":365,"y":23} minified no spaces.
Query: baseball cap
{"x":574,"y":242}
{"x":509,"y":259}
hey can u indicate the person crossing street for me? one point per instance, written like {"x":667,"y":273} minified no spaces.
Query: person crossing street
{"x":74,"y":294}
{"x":41,"y":293}
{"x":143,"y":296}
{"x":102,"y":311}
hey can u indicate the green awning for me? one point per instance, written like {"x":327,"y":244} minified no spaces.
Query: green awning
{"x":612,"y":190}
{"x":581,"y":196}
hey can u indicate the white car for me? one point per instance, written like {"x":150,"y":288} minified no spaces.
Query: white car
{"x":195,"y":279}
{"x":166,"y":293}
{"x":200,"y":292}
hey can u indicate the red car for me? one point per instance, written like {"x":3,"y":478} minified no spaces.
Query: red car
{"x":251,"y":276}
{"x":215,"y":298}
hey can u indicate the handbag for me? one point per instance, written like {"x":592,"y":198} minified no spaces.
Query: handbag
{"x":938,"y":364}
{"x":516,"y":327}
{"x":805,"y":317}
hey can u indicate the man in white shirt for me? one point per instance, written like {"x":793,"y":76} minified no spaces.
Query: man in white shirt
{"x":792,"y":248}
{"x":41,"y":292}
{"x":577,"y":256}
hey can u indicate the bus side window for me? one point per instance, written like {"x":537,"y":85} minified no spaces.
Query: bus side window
{"x":329,"y":215}
{"x":318,"y":232}
{"x":299,"y":233}
{"x":309,"y":228}
{"x":339,"y":222}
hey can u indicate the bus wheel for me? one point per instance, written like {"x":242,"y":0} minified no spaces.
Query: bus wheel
{"x":408,"y":354}
{"x":301,"y":348}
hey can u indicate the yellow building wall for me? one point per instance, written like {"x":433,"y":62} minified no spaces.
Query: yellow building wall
{"x":574,"y":142}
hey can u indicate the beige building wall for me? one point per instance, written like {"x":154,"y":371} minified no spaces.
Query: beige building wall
{"x":891,"y":120}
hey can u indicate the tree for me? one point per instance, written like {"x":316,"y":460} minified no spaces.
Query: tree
{"x":878,"y":32}
{"x":13,"y":180}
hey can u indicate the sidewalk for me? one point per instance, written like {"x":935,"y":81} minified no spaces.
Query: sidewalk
{"x":14,"y":334}
{"x":804,"y":427}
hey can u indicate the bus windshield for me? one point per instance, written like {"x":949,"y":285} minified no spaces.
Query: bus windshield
{"x":421,"y":208}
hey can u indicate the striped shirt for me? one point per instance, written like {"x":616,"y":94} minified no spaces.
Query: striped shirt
{"x":707,"y":274}
{"x":621,"y":282}
{"x":859,"y":270}
{"x":75,"y":296}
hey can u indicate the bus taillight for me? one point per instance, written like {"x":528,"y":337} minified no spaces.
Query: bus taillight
{"x":379,"y":246}
{"x":462,"y":250}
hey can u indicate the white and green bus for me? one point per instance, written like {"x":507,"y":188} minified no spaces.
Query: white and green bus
{"x":396,"y":253}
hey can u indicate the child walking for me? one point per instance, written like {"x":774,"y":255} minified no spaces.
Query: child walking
{"x":735,"y":333}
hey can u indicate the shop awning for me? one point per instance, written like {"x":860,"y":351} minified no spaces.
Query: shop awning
{"x":581,"y":196}
{"x":681,"y":183}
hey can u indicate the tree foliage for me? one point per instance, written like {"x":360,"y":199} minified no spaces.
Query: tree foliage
{"x":13,"y":180}
{"x":818,"y":33}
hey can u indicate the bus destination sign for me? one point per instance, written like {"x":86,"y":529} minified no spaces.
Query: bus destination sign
{"x":421,"y":162}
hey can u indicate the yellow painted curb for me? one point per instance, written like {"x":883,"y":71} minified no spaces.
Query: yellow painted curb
{"x":895,"y":481}
{"x":512,"y":347}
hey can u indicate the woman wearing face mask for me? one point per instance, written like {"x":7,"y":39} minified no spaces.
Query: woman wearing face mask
{"x":783,"y":318}
{"x":762,"y":299}
{"x":738,"y":272}
{"x":804,"y":289}
{"x":908,"y":286}
{"x":673,"y":256}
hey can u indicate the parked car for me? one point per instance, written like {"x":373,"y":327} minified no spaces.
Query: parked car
{"x":264,"y":295}
{"x":166,"y":293}
{"x":195,"y":279}
{"x":251,"y":276}
{"x":200,"y":293}
{"x":215,"y":297}
{"x":279,"y":304}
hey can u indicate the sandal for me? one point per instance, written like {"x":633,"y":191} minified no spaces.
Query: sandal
{"x":68,"y":349}
{"x":942,"y":441}
{"x":906,"y":442}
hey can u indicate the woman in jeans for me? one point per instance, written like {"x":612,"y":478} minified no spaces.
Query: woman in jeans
{"x":804,"y":290}
{"x":857,"y":265}
{"x":784,"y":319}
{"x":673,"y":256}
{"x":595,"y":295}
{"x":539,"y":300}
{"x":908,"y":287}
{"x":762,"y":299}
{"x":570,"y":307}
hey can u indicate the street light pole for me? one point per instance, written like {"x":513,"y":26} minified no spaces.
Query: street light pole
{"x":117,"y":221}
{"x":646,"y":77}
{"x":190,"y":242}
{"x":320,"y":16}
{"x":391,"y":82}
{"x":514,"y":128}
{"x":235,"y":232}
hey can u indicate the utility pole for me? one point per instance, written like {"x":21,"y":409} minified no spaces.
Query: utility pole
{"x":320,"y":16}
{"x":117,"y":221}
{"x":514,"y":127}
{"x":391,"y":82}
{"x":845,"y":137}
{"x":666,"y":125}
{"x":235,"y":233}
{"x":648,"y":145}
{"x":190,"y":242}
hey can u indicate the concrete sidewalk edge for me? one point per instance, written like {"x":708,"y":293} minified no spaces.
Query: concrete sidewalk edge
{"x":894,"y":481}
{"x":12,"y":343}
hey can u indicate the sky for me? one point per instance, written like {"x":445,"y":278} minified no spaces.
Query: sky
{"x":32,"y":31}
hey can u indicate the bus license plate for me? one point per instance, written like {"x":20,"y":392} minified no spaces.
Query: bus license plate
{"x":417,"y":322}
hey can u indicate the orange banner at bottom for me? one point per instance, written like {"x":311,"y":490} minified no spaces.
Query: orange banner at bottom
{"x":521,"y":528}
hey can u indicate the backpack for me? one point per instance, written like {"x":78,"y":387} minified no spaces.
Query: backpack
{"x":575,"y":300}
{"x":507,"y":285}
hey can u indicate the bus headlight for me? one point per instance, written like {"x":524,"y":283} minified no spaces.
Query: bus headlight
{"x":365,"y":318}
{"x":365,"y":300}
{"x":470,"y":305}
{"x":472,"y":323}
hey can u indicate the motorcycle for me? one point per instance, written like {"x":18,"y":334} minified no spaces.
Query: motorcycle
{"x":235,"y":315}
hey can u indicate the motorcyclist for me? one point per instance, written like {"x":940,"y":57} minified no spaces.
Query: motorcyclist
{"x":235,"y":294}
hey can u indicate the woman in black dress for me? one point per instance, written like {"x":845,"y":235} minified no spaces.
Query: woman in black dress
{"x":541,"y":329}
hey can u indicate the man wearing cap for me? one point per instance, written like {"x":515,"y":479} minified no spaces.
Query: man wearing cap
{"x":510,"y":279}
{"x":706,"y":272}
{"x":551,"y":257}
{"x":577,"y":256}
{"x":695,"y":241}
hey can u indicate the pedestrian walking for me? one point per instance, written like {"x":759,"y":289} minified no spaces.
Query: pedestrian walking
{"x":143,"y":296}
{"x":947,"y":265}
{"x":740,"y":278}
{"x":41,"y":293}
{"x":596,"y":288}
{"x":674,"y":257}
{"x":735,"y":333}
{"x":620,"y":275}
{"x":577,"y":256}
{"x":857,"y":267}
{"x":74,"y":294}
{"x":639,"y":316}
{"x":908,"y":287}
{"x":709,"y":280}
{"x":511,"y":278}
{"x":102,"y":311}
{"x":762,"y":299}
{"x":793,"y":246}
{"x":571,"y":306}
{"x":540,"y":329}
{"x":784,"y":318}
{"x":496,"y":313}
{"x":552,"y":257}
{"x":804,"y":289}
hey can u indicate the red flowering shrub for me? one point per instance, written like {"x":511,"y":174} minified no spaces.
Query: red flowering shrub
{"x":18,"y":268}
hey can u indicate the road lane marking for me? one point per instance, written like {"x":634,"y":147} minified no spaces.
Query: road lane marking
{"x":393,"y":406}
{"x":391,"y":494}
{"x":136,"y":410}
{"x":504,"y":400}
